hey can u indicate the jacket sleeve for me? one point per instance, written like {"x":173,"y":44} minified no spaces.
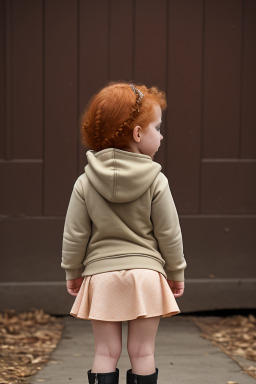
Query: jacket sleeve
{"x":167,"y":230}
{"x":77,"y":232}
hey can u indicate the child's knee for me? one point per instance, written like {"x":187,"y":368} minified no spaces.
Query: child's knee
{"x":111,"y":351}
{"x":137,"y":350}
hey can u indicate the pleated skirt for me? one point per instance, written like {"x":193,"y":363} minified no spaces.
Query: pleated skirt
{"x":124,"y":295}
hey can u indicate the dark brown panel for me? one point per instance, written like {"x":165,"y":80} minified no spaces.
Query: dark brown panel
{"x":31,"y":249}
{"x":150,"y":50}
{"x":150,"y":42}
{"x":94,"y":18}
{"x":121,"y":40}
{"x":222,"y":58}
{"x":21,"y":188}
{"x":2,"y":77}
{"x":27,"y":79}
{"x":8,"y":81}
{"x":228,"y":187}
{"x":184,"y":98}
{"x":61,"y":131}
{"x":248,"y":135}
{"x":94,"y":45}
{"x":221,"y":247}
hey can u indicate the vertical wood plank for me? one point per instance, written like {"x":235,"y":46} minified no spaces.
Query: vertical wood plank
{"x":248,"y":120}
{"x":150,"y":51}
{"x":184,"y":98}
{"x":94,"y":48}
{"x":60,"y":100}
{"x":121,"y":40}
{"x":221,"y":113}
{"x":2,"y":78}
{"x":8,"y":81}
{"x":27,"y":77}
{"x":150,"y":42}
{"x":93,"y":53}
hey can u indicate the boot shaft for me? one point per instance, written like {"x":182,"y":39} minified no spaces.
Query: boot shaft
{"x":133,"y":378}
{"x":103,"y":378}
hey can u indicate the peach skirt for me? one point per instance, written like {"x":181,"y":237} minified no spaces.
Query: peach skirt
{"x":124,"y":295}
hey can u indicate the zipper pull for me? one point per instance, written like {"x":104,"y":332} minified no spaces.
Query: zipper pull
{"x":135,"y":379}
{"x":96,"y":379}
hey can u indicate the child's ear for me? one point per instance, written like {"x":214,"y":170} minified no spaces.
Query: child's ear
{"x":137,"y":134}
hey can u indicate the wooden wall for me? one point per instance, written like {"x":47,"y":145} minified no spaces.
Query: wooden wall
{"x":54,"y":55}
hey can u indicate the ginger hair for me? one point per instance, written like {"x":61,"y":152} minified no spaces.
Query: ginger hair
{"x":112,"y":114}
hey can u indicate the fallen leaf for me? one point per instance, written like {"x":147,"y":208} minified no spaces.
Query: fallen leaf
{"x":26,"y":343}
{"x":234,"y":335}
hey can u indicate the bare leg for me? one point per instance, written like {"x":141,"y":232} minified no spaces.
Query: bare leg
{"x":141,"y":344}
{"x":108,"y":345}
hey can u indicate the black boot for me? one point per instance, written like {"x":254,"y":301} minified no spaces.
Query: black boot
{"x":103,"y":378}
{"x":133,"y":378}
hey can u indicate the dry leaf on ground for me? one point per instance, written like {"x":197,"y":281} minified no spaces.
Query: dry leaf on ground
{"x":26,"y":343}
{"x":234,"y":335}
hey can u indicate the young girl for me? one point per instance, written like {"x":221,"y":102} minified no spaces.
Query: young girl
{"x":122,"y":243}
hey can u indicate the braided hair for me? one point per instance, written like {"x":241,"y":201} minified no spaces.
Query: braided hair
{"x":111,"y":115}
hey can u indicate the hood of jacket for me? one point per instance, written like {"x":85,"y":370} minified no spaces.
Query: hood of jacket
{"x":120,"y":176}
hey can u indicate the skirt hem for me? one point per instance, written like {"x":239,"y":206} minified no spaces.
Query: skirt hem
{"x":169,"y":314}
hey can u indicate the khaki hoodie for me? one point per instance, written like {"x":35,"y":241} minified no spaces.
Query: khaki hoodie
{"x":121,"y":215}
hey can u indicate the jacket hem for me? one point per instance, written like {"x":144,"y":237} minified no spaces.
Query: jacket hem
{"x":124,"y":262}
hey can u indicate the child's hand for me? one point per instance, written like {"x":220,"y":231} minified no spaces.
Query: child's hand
{"x":177,"y":287}
{"x":74,"y":285}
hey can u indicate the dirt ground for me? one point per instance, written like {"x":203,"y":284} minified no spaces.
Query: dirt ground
{"x":28,"y":339}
